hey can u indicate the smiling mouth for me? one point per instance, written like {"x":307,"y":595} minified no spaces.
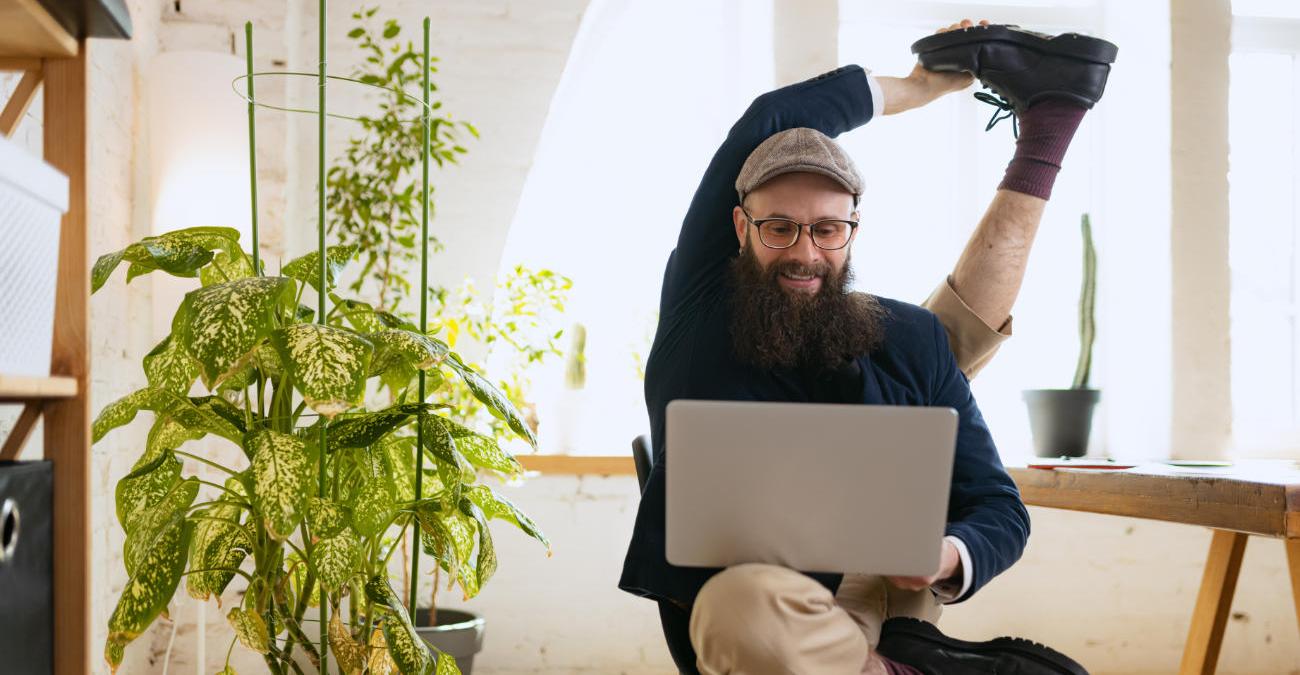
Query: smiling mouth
{"x":800,"y":281}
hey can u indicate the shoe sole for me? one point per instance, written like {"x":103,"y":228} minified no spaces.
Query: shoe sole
{"x":1004,"y":645}
{"x":1072,"y":45}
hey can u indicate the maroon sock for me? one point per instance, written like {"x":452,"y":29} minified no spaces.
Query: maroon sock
{"x":896,"y":668}
{"x":1045,"y":132}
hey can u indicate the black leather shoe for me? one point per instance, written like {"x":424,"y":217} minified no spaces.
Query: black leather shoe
{"x":1021,"y":66}
{"x":920,"y":644}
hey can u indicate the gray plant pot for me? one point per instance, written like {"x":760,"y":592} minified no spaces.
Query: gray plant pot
{"x":1061,"y":420}
{"x":457,"y":633}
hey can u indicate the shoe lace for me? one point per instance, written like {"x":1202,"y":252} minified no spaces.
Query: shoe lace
{"x":1004,"y":109}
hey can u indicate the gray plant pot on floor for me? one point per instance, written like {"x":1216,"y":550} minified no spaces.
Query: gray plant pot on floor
{"x":458,"y":633}
{"x":1061,"y":420}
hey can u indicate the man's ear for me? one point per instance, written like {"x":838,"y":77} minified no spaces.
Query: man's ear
{"x":741,"y":223}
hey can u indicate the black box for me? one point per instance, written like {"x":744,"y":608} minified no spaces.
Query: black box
{"x":26,"y":567}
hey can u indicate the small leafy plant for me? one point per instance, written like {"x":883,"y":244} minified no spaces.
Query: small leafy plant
{"x":324,"y":492}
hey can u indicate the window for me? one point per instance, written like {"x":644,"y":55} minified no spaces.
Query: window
{"x":648,"y":93}
{"x":1263,"y":220}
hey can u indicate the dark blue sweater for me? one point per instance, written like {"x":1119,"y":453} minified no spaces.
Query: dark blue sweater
{"x":691,"y":357}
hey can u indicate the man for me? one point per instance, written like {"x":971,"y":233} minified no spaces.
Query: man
{"x":767,"y":315}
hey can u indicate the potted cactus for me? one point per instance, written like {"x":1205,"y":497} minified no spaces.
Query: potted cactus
{"x":1061,"y":419}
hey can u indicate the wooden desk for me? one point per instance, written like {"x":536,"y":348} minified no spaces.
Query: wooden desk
{"x":1250,"y":498}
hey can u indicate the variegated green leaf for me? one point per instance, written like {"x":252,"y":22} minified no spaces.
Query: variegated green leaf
{"x":168,"y":367}
{"x":360,"y":315}
{"x":337,"y":559}
{"x":446,"y":664}
{"x":409,"y":348}
{"x":461,"y":530}
{"x":230,"y":670}
{"x":481,"y":450}
{"x":220,"y":546}
{"x":328,"y":365}
{"x":406,"y":647}
{"x":226,"y":266}
{"x":486,"y":564}
{"x":145,"y":486}
{"x":204,"y":417}
{"x":398,"y":455}
{"x":281,"y":477}
{"x":438,"y":442}
{"x":307,"y":267}
{"x":497,"y":403}
{"x":114,"y":651}
{"x":298,"y":580}
{"x":325,"y":518}
{"x":180,"y":253}
{"x":221,"y":325}
{"x":366,"y":429}
{"x":497,"y":507}
{"x":147,"y":593}
{"x":147,"y":530}
{"x":373,"y":508}
{"x":251,"y":629}
{"x":351,"y":654}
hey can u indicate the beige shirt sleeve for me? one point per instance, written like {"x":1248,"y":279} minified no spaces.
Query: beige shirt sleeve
{"x":973,"y":341}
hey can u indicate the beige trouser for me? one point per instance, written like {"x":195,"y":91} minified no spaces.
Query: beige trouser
{"x":756,"y":619}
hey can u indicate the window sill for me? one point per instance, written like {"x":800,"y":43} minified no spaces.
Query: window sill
{"x":578,"y":465}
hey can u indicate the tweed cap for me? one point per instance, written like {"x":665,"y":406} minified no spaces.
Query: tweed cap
{"x":799,"y":149}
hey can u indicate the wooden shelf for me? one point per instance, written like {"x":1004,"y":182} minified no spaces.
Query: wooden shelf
{"x":27,"y":29}
{"x":17,"y":389}
{"x":601,"y":465}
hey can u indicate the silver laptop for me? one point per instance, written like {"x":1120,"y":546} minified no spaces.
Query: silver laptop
{"x":814,"y":487}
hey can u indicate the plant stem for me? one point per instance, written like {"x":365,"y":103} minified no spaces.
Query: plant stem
{"x":208,"y":462}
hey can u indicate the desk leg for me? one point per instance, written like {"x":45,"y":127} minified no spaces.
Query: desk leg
{"x":1201,"y":655}
{"x":1293,"y":561}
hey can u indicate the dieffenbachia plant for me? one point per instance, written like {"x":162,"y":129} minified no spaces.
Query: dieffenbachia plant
{"x":271,"y":376}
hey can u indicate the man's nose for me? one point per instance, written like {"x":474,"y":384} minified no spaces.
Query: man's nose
{"x":804,"y":250}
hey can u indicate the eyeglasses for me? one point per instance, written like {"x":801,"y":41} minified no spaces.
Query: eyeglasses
{"x":829,"y":235}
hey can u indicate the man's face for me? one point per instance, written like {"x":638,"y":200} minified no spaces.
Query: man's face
{"x":806,"y":198}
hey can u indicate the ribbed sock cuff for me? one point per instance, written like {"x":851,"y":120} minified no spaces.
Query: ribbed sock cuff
{"x":1045,"y":133}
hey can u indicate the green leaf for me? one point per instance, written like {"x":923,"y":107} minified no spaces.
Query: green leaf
{"x":146,"y":485}
{"x":220,"y":326}
{"x":226,"y":266}
{"x":147,"y":593}
{"x":307,"y":268}
{"x":337,"y":559}
{"x":391,"y":29}
{"x":360,"y":314}
{"x":496,"y":402}
{"x":114,"y":651}
{"x":406,"y":647}
{"x":374,"y":505}
{"x":180,"y":253}
{"x":281,"y":477}
{"x":398,"y":455}
{"x":399,"y":354}
{"x":438,"y":442}
{"x":497,"y":507}
{"x":328,"y":365}
{"x":197,"y":419}
{"x":366,"y":429}
{"x":461,"y":532}
{"x":356,"y":32}
{"x":168,"y":367}
{"x":325,"y":518}
{"x":446,"y":664}
{"x":486,"y":564}
{"x":251,"y":629}
{"x":481,"y":450}
{"x":146,"y":531}
{"x":217,"y":545}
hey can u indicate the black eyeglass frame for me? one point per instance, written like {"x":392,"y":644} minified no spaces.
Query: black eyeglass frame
{"x":853,"y":226}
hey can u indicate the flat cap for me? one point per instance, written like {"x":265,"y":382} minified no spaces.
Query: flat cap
{"x":799,"y":149}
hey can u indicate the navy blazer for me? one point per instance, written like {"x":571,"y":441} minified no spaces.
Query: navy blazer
{"x":692,"y":358}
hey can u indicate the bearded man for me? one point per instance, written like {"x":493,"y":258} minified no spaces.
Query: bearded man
{"x":763,"y":311}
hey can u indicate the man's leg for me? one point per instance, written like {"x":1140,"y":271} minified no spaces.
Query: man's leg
{"x":754,"y":619}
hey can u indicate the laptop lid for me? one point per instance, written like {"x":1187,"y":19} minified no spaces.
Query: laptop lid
{"x":814,"y":487}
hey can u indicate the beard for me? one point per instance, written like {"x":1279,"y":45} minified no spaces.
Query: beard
{"x":775,"y":328}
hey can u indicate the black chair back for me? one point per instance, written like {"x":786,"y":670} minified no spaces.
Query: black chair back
{"x":644,"y":458}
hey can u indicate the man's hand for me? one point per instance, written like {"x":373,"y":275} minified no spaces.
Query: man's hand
{"x":949,"y":565}
{"x":923,"y":86}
